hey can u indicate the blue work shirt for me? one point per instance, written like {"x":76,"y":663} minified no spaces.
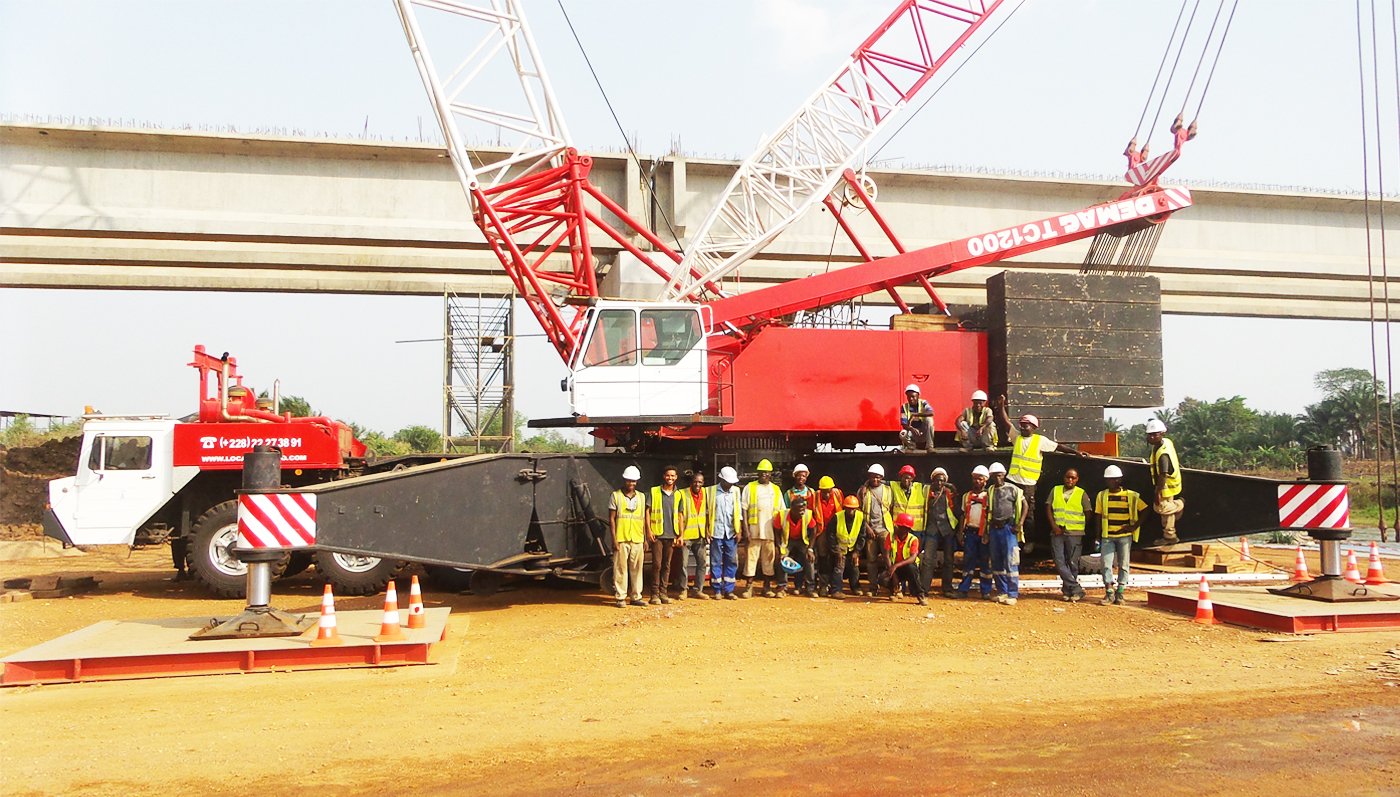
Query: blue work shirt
{"x":724,"y":513}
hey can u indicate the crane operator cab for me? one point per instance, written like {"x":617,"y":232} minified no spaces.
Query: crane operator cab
{"x":640,"y":359}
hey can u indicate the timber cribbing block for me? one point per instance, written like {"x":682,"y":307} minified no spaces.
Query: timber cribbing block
{"x":1067,"y":346}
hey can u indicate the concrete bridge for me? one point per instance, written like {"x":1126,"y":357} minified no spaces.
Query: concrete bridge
{"x":128,"y":209}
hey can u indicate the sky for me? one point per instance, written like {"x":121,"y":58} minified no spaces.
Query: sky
{"x":1057,"y":90}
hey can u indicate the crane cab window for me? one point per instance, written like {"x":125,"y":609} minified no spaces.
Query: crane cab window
{"x":668,"y":335}
{"x":614,"y":340}
{"x":120,"y":453}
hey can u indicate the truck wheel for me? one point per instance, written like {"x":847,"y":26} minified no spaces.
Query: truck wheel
{"x":297,"y":562}
{"x":211,"y":556}
{"x":448,"y":579}
{"x":351,"y":574}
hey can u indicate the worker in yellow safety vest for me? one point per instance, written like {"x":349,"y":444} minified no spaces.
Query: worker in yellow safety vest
{"x":875,"y":500}
{"x":795,"y":529}
{"x":761,"y":501}
{"x":1119,"y":511}
{"x":1068,"y":511}
{"x":627,"y":515}
{"x":902,"y":552}
{"x":847,"y":530}
{"x":808,"y":494}
{"x":695,"y":515}
{"x":976,"y":426}
{"x":910,"y":497}
{"x":663,"y":535}
{"x":826,"y":503}
{"x":915,"y":421}
{"x":1166,"y":480}
{"x":1028,"y":449}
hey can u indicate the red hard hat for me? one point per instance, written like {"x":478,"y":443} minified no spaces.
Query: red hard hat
{"x":904,"y":519}
{"x":908,"y":470}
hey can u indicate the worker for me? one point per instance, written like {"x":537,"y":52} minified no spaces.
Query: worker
{"x":875,"y":499}
{"x":915,"y":421}
{"x":1166,"y":480}
{"x":902,"y":552}
{"x":799,"y":489}
{"x":847,"y":532}
{"x":663,"y":536}
{"x":1027,"y":454}
{"x":1118,"y":510}
{"x":724,"y":535}
{"x":911,"y":498}
{"x":825,"y":506}
{"x":761,"y":502}
{"x":795,"y":529}
{"x":627,"y":514}
{"x":695,"y":516}
{"x":1007,"y":506}
{"x":976,"y":426}
{"x":940,"y":533}
{"x":972,"y":534}
{"x":1068,"y":511}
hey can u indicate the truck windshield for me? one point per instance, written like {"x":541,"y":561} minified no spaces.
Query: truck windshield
{"x":120,"y":453}
{"x":669,"y":335}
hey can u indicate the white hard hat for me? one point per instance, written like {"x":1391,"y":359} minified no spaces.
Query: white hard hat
{"x":980,"y":470}
{"x":937,"y":471}
{"x":800,"y":468}
{"x":911,"y":386}
{"x":631,"y":472}
{"x":727,"y":473}
{"x":1113,"y":472}
{"x":996,"y":467}
{"x":978,"y":395}
{"x":877,"y":469}
{"x":1154,"y":426}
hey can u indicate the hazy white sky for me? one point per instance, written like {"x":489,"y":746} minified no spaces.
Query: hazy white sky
{"x":1059,"y":89}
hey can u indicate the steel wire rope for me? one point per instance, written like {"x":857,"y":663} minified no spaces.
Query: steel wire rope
{"x":940,"y":86}
{"x":1181,"y":48}
{"x":1370,"y":263}
{"x":1166,"y":51}
{"x":1385,"y":277}
{"x":1205,"y":48}
{"x":617,"y":121}
{"x":1210,"y":76}
{"x":1385,"y":272}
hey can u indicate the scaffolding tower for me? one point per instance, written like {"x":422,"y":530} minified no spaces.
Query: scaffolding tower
{"x":478,"y":343}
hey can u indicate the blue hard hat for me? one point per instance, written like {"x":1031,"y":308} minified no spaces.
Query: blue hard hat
{"x":790,"y":565}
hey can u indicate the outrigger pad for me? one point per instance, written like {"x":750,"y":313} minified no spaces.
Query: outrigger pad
{"x":254,"y":623}
{"x":1333,"y":590}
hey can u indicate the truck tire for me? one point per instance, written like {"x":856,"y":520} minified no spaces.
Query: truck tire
{"x":350,"y":574}
{"x":448,"y":579}
{"x":210,"y":556}
{"x":297,"y":563}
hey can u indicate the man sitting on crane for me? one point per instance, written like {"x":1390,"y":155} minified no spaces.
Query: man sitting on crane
{"x":915,"y":421}
{"x":976,"y":428}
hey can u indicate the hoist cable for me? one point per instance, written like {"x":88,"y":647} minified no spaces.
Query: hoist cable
{"x":1370,"y":265}
{"x":1156,"y":116}
{"x":1385,"y":276}
{"x":1225,"y":34}
{"x":1166,"y":51}
{"x":599,"y":83}
{"x":1205,"y":48}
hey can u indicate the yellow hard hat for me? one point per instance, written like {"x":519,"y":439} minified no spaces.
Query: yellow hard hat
{"x":764,"y":466}
{"x":826,"y":483}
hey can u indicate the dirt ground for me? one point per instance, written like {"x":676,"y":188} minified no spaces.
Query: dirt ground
{"x":541,"y":690}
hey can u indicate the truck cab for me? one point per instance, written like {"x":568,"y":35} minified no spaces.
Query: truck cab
{"x":641,"y":358}
{"x":126,"y":473}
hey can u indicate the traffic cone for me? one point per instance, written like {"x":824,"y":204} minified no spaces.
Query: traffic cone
{"x":416,"y":618}
{"x":1300,"y":567}
{"x":326,"y":634}
{"x":1205,"y":610}
{"x":1352,"y":574}
{"x":1374,"y":573}
{"x":1244,"y":549}
{"x":389,"y":630}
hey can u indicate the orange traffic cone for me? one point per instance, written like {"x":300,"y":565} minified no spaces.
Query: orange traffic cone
{"x":1244,"y":549}
{"x":1205,"y":610}
{"x":416,"y":618}
{"x":325,"y":632}
{"x":1374,"y":573}
{"x":389,"y":630}
{"x":1300,"y":567}
{"x":1352,"y":574}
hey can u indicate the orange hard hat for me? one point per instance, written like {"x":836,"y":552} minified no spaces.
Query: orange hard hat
{"x":851,"y":502}
{"x":904,"y":519}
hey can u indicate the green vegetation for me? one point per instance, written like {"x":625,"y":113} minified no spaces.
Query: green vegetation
{"x":22,"y":432}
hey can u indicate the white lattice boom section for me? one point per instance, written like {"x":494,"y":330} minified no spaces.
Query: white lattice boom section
{"x":800,"y":164}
